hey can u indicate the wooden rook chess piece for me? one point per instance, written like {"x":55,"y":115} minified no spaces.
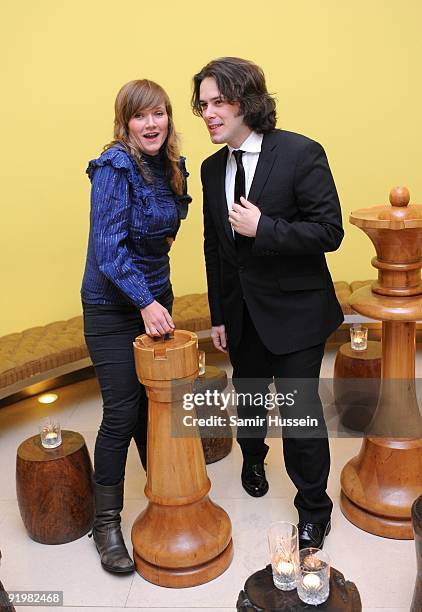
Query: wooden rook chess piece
{"x":381,"y":483}
{"x":182,"y":538}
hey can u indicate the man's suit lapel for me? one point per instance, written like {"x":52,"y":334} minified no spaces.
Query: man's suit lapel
{"x":263,"y":168}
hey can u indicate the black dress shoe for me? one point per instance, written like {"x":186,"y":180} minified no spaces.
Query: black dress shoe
{"x":312,"y":535}
{"x":253,"y":479}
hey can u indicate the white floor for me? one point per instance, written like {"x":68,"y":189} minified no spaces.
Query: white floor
{"x":384,"y":570}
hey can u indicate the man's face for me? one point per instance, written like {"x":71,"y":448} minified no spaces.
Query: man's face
{"x":222,"y":118}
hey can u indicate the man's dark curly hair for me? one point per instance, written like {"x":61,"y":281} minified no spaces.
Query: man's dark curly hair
{"x":239,"y":80}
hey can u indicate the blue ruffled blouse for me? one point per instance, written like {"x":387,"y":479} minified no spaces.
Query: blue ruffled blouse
{"x":127,"y":257}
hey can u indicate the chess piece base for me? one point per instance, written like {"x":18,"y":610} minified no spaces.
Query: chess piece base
{"x":398,"y":529}
{"x":184,"y":577}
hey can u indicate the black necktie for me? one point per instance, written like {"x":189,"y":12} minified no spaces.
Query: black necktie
{"x":239,"y":187}
{"x":239,"y":181}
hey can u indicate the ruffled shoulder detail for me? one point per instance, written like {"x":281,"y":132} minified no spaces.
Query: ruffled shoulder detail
{"x":118,"y":158}
{"x":115,"y":156}
{"x":182,"y":166}
{"x":183,"y":200}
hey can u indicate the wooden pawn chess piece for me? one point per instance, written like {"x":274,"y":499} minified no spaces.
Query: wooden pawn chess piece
{"x":381,"y":483}
{"x":182,"y":538}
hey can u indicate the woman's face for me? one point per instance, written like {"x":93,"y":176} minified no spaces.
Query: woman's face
{"x":149,"y":129}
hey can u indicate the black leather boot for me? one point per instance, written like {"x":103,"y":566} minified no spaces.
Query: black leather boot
{"x":106,"y":531}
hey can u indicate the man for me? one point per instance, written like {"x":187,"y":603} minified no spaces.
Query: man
{"x":271,"y":211}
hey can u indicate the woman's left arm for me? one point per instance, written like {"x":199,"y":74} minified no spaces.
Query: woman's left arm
{"x":110,"y":213}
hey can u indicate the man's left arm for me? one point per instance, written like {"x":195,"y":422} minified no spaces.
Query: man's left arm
{"x":320,"y":228}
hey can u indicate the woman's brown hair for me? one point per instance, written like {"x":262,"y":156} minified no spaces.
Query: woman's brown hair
{"x":132,"y":98}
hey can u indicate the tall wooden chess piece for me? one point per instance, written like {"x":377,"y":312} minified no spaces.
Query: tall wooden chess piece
{"x":381,"y":483}
{"x":182,"y":538}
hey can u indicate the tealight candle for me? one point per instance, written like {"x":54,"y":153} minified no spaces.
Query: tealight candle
{"x":285,"y":567}
{"x":284,"y":554}
{"x":311,"y":581}
{"x":358,"y":337}
{"x":313,"y":584}
{"x":50,"y":433}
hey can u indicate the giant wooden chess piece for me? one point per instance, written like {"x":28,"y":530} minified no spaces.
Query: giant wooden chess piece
{"x":381,"y":483}
{"x":182,"y":538}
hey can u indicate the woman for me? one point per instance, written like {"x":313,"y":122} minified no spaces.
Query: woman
{"x":137,"y":200}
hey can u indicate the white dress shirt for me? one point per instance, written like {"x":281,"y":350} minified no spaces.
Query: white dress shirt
{"x":252,"y":148}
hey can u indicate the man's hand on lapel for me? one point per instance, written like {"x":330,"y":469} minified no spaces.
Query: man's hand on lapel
{"x":244,"y":218}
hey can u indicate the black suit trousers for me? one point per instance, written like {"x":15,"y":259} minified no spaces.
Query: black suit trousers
{"x":307,"y":458}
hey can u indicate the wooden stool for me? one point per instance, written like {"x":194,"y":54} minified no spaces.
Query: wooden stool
{"x":218,"y":446}
{"x":54,"y":489}
{"x":356,"y":406}
{"x":417,"y":530}
{"x":260,"y":594}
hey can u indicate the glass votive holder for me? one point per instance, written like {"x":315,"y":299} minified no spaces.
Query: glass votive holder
{"x":284,"y":553}
{"x":358,"y":337}
{"x":201,"y":362}
{"x":313,"y":581}
{"x":50,"y":433}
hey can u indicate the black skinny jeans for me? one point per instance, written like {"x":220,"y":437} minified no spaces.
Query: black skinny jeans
{"x":109,"y":334}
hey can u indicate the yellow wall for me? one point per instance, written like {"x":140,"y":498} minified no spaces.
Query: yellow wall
{"x":345,"y":73}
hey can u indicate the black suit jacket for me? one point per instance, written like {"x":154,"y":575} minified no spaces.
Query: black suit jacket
{"x":281,"y":273}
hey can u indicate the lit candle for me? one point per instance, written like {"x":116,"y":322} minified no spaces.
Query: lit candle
{"x":285,"y":567}
{"x":51,"y":435}
{"x":312,"y":581}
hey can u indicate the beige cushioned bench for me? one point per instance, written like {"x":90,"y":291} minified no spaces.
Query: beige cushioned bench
{"x":52,"y":351}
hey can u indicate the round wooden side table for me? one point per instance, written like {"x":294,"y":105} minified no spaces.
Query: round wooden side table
{"x":54,"y":489}
{"x":219,"y":445}
{"x":260,"y":594}
{"x":356,"y":403}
